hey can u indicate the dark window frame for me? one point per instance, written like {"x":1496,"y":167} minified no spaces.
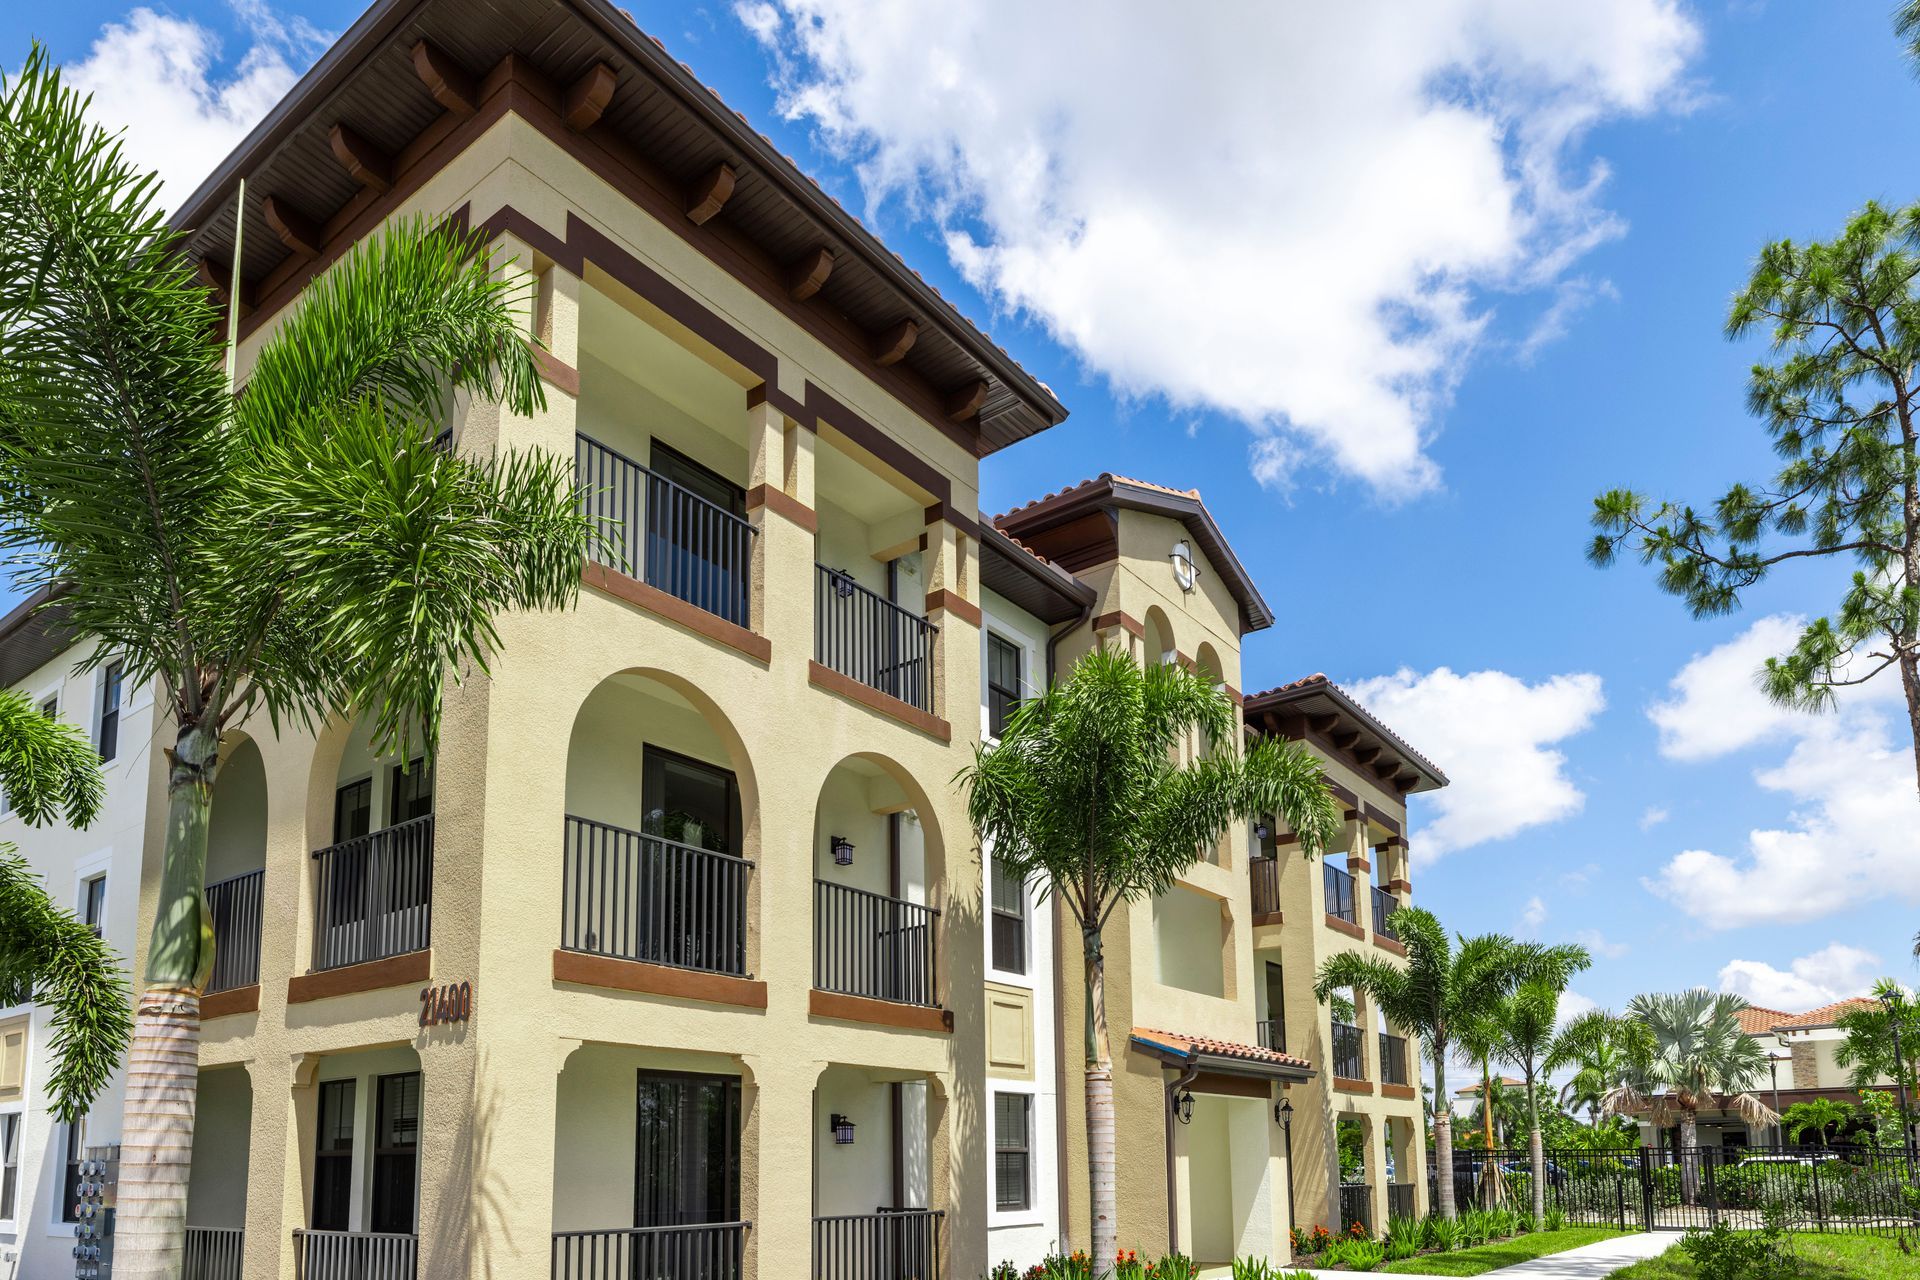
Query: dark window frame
{"x":1002,"y":698}
{"x":1007,"y":927}
{"x":1021,"y":1154}
{"x":731,"y":1158}
{"x":11,"y":1123}
{"x":107,"y":736}
{"x":330,"y":1163}
{"x":93,"y":902}
{"x":386,"y":1155}
{"x":654,"y":758}
{"x":73,"y":1145}
{"x":411,"y":776}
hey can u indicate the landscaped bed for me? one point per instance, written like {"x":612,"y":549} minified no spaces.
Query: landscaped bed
{"x":1827,"y":1257}
{"x":1501,"y":1253}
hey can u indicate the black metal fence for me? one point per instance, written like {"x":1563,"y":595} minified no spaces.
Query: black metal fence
{"x":1384,"y":905}
{"x":1339,"y":885}
{"x":867,"y":944}
{"x":1266,"y":885}
{"x":640,"y":897}
{"x":1349,"y":1063}
{"x":645,"y":526}
{"x":868,"y":638}
{"x":1667,"y":1189}
{"x":1393,"y":1059}
{"x":353,"y":1255}
{"x":896,"y":1244}
{"x":213,"y":1253}
{"x":1271,"y":1034}
{"x":374,"y":895}
{"x":234,"y":905}
{"x":1356,"y":1205}
{"x":1400,"y":1200}
{"x":710,"y":1251}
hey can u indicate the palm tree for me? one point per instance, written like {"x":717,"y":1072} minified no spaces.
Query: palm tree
{"x":1528,"y":1021}
{"x":1686,"y":1050}
{"x":301,"y":551}
{"x":49,"y":770}
{"x":1591,"y":1046}
{"x":1479,"y":1037}
{"x":1440,"y":990}
{"x":1819,"y":1115}
{"x":1083,"y":796}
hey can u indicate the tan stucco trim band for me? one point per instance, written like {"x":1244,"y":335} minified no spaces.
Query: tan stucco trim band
{"x":657,"y":980}
{"x":847,"y":687}
{"x":784,"y":505}
{"x":375,"y":975}
{"x":961,"y":608}
{"x":879,"y":1013}
{"x":675,"y":610}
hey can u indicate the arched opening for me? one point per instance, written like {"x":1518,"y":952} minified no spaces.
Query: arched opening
{"x":661,"y":824}
{"x":1159,"y":639}
{"x":217,"y":1182}
{"x":236,"y":862}
{"x":373,"y":876}
{"x":878,"y":867}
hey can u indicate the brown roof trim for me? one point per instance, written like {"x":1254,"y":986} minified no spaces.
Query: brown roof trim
{"x":1317,"y":710}
{"x":1030,"y":580}
{"x":1108,"y":491}
{"x":33,"y":634}
{"x":1220,"y":1057}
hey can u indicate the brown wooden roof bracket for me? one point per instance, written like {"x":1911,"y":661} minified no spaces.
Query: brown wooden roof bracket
{"x":892,"y":344}
{"x":296,"y":230}
{"x":215,"y":276}
{"x":710,"y":194}
{"x":451,"y":84}
{"x":588,"y":97}
{"x":965,"y":403}
{"x":807,"y":273}
{"x":365,"y":163}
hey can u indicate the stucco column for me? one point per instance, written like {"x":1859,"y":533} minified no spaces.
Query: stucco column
{"x":780,"y":461}
{"x":776,"y":1163}
{"x":515,"y":1109}
{"x":1360,"y":869}
{"x":951,"y":571}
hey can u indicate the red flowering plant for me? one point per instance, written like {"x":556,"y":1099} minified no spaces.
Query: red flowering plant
{"x":1319,"y":1239}
{"x":1127,"y":1266}
{"x":1357,"y":1230}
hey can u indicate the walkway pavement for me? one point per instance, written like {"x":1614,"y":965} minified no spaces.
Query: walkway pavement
{"x":1589,"y":1262}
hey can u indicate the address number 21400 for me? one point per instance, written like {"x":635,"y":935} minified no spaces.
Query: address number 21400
{"x":452,"y":1002}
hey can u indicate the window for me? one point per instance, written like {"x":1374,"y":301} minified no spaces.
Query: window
{"x":108,"y":741}
{"x":410,"y":793}
{"x":9,"y":1164}
{"x":353,"y":811}
{"x":93,"y":902}
{"x":50,"y":706}
{"x":1012,"y":1151}
{"x":1009,"y":921}
{"x":333,"y":1158}
{"x":396,"y":1153}
{"x":74,"y":1148}
{"x":686,"y":1150}
{"x":1003,"y":682}
{"x":689,"y":801}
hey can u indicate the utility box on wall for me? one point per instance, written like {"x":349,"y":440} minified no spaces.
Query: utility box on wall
{"x":93,"y":1232}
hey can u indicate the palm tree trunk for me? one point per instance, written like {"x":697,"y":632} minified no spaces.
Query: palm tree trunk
{"x":1491,"y":1183}
{"x":1689,"y":1158}
{"x":1536,"y":1152}
{"x":163,"y":1065}
{"x":1443,"y":1133}
{"x":1103,"y":1195}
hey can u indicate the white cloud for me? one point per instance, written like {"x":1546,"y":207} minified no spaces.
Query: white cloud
{"x":1297,"y":214}
{"x":1492,"y":734}
{"x":1850,"y":835}
{"x":1835,"y":972}
{"x":1573,"y":1004}
{"x":160,"y":78}
{"x":1598,"y":943}
{"x":1652,"y":816}
{"x":1534,"y":915}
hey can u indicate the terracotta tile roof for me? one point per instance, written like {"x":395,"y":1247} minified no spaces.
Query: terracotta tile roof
{"x":1319,"y":681}
{"x":1756,"y":1021}
{"x":1826,"y":1015}
{"x":1105,"y":477}
{"x":1219,"y":1048}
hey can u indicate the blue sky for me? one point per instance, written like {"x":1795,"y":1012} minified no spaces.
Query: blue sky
{"x":1420,"y":532}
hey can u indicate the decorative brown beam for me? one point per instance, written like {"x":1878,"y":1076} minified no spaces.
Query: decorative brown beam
{"x":965,"y":403}
{"x":1366,"y":755}
{"x":296,"y":230}
{"x":365,"y":163}
{"x":807,"y":273}
{"x":710,"y":194}
{"x":1323,"y":724}
{"x":891,"y":345}
{"x":451,"y":84}
{"x":216,"y":277}
{"x":588,"y":97}
{"x":1346,"y":739}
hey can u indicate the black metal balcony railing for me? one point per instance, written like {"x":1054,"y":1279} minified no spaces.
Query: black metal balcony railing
{"x":709,"y":1251}
{"x":1393,"y":1059}
{"x":1272,"y":1033}
{"x":1348,"y":1061}
{"x":669,"y":537}
{"x":894,"y":1244}
{"x":867,"y":944}
{"x":640,"y":897}
{"x":1400,"y":1201}
{"x":1384,"y":905}
{"x":212,"y":1253}
{"x":353,"y":1255}
{"x":1339,"y":894}
{"x":868,"y":638}
{"x":373,"y":895}
{"x":234,"y":905}
{"x":1356,"y":1205}
{"x":1266,"y":885}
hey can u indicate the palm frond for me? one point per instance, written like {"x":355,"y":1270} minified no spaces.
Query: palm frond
{"x":48,"y":769}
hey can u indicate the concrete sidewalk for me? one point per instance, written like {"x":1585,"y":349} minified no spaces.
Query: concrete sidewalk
{"x":1588,"y":1262}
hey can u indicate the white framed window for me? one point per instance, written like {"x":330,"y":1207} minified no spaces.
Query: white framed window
{"x":1008,"y":903}
{"x":73,"y":1149}
{"x":1005,"y":679}
{"x":106,"y":728}
{"x":1013,"y":1165}
{"x":11,"y":1123}
{"x":92,"y":904}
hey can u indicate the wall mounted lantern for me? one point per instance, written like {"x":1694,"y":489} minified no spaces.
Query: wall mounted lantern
{"x":842,"y":850}
{"x":1183,"y":1106}
{"x":842,"y":1128}
{"x":1283,"y":1114}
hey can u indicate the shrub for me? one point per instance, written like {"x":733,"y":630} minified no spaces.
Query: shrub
{"x":1127,"y":1266}
{"x":1255,"y":1269}
{"x":1556,"y":1220}
{"x":1726,"y":1254}
{"x":1356,"y":1255}
{"x":1172,"y":1266}
{"x":1074,"y":1266}
{"x":1004,"y":1271}
{"x":1403,"y":1238}
{"x":1442,"y":1234}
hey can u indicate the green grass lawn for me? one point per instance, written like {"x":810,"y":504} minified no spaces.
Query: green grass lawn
{"x":1503,"y":1253}
{"x":1829,"y":1257}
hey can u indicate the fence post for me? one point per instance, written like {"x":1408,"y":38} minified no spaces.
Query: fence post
{"x":1819,"y":1210}
{"x":1713,"y":1196}
{"x":1647,"y":1204}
